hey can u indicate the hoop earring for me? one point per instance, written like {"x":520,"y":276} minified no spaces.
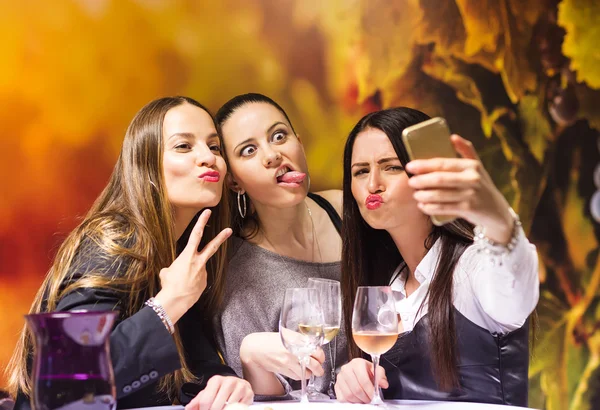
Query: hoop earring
{"x":239,"y":203}
{"x":308,"y":176}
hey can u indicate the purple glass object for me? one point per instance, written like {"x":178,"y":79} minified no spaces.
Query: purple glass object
{"x":72,"y":368}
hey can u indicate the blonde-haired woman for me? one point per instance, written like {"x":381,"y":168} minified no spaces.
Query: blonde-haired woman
{"x":123,"y":257}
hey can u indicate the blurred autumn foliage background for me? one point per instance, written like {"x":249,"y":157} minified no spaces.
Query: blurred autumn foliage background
{"x":521,"y":79}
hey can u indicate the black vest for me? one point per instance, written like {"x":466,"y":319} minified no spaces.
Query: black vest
{"x":491,"y":368}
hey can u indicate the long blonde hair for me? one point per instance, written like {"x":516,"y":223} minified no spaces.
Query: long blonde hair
{"x":130,"y":223}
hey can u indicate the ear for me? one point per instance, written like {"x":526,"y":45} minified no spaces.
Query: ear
{"x":232,"y":184}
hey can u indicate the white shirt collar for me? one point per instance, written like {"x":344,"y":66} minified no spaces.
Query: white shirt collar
{"x":424,"y":272}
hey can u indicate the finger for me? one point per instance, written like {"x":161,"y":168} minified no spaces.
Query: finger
{"x":238,"y":393}
{"x":248,"y":396}
{"x":211,"y":248}
{"x":197,"y":232}
{"x":464,"y":147}
{"x":194,"y":404}
{"x":453,"y":208}
{"x":466,"y":179}
{"x":443,"y":195}
{"x":424,"y":166}
{"x":293,"y":371}
{"x":383,"y":381}
{"x":315,"y":367}
{"x":198,"y":402}
{"x":226,"y":387}
{"x":207,"y":396}
{"x":319,"y":355}
{"x":361,"y":384}
{"x":343,"y":392}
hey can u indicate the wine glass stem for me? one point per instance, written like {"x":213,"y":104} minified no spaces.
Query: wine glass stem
{"x":311,"y":383}
{"x":376,"y":397}
{"x":303,"y":395}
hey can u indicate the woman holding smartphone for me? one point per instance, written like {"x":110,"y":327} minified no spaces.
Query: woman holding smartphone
{"x":464,"y":290}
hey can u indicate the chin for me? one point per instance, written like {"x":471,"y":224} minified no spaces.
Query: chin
{"x":210,"y":199}
{"x":375,"y":220}
{"x":376,"y":224}
{"x":291,"y":198}
{"x":282,"y":197}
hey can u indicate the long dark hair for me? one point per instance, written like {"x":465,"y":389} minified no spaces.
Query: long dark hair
{"x":248,"y":226}
{"x":369,"y":256}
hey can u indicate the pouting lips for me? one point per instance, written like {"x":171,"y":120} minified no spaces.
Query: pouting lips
{"x":292,"y":177}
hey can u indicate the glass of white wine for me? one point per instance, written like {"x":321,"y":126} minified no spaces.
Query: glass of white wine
{"x":375,"y":326}
{"x":301,"y":327}
{"x":331,"y":303}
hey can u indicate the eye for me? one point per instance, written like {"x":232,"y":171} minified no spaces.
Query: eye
{"x":278,"y":136}
{"x":394,"y":168}
{"x":183,"y":145}
{"x":248,"y":150}
{"x":215,"y":148}
{"x":360,"y":172}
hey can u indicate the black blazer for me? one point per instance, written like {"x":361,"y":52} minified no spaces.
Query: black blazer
{"x":142,"y":350}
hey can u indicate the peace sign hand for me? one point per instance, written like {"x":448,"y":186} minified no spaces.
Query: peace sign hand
{"x":183,"y":282}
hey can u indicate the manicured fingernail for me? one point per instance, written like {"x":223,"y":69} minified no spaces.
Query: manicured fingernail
{"x":410,"y":166}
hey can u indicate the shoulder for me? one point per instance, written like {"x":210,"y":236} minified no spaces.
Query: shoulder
{"x":106,"y":248}
{"x":334,"y":197}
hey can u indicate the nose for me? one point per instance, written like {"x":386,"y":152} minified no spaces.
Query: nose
{"x":375,"y":184}
{"x":206,"y":158}
{"x":272,"y":158}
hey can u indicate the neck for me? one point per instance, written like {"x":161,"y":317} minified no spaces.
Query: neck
{"x":410,"y":241}
{"x":182,"y":219}
{"x":285,"y":228}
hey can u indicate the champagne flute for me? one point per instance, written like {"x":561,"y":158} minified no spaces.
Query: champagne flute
{"x":375,"y":326}
{"x":331,"y":303}
{"x":301,"y":327}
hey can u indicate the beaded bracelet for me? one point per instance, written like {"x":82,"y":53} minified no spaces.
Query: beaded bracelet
{"x":493,"y":248}
{"x":162,"y":314}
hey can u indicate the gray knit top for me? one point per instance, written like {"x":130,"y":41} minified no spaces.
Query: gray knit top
{"x":255,"y":285}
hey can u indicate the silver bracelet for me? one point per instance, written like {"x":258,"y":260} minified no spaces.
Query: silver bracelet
{"x":162,"y":314}
{"x":490,"y":247}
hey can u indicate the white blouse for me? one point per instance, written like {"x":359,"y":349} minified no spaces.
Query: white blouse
{"x":497,"y":293}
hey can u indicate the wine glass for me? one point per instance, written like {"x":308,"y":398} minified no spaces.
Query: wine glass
{"x":301,"y":327}
{"x":331,"y":303}
{"x":375,"y":326}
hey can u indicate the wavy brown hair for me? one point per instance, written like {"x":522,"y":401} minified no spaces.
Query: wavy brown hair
{"x":130,"y":224}
{"x":370,"y":256}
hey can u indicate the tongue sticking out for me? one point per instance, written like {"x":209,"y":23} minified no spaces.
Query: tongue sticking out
{"x":291,"y":177}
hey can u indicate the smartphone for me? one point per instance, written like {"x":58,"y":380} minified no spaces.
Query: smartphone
{"x":430,"y":139}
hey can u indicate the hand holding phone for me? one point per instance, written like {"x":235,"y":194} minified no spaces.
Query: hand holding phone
{"x":430,"y":139}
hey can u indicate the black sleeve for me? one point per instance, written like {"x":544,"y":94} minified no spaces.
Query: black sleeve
{"x":141,"y":348}
{"x":201,"y":352}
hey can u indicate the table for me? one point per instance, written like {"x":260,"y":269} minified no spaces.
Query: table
{"x":391,"y":404}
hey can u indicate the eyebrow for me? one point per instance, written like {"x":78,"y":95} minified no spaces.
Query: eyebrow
{"x":190,"y":135}
{"x":243,"y":143}
{"x":266,"y":132}
{"x":274,"y":125}
{"x":182,"y":134}
{"x":381,"y":161}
